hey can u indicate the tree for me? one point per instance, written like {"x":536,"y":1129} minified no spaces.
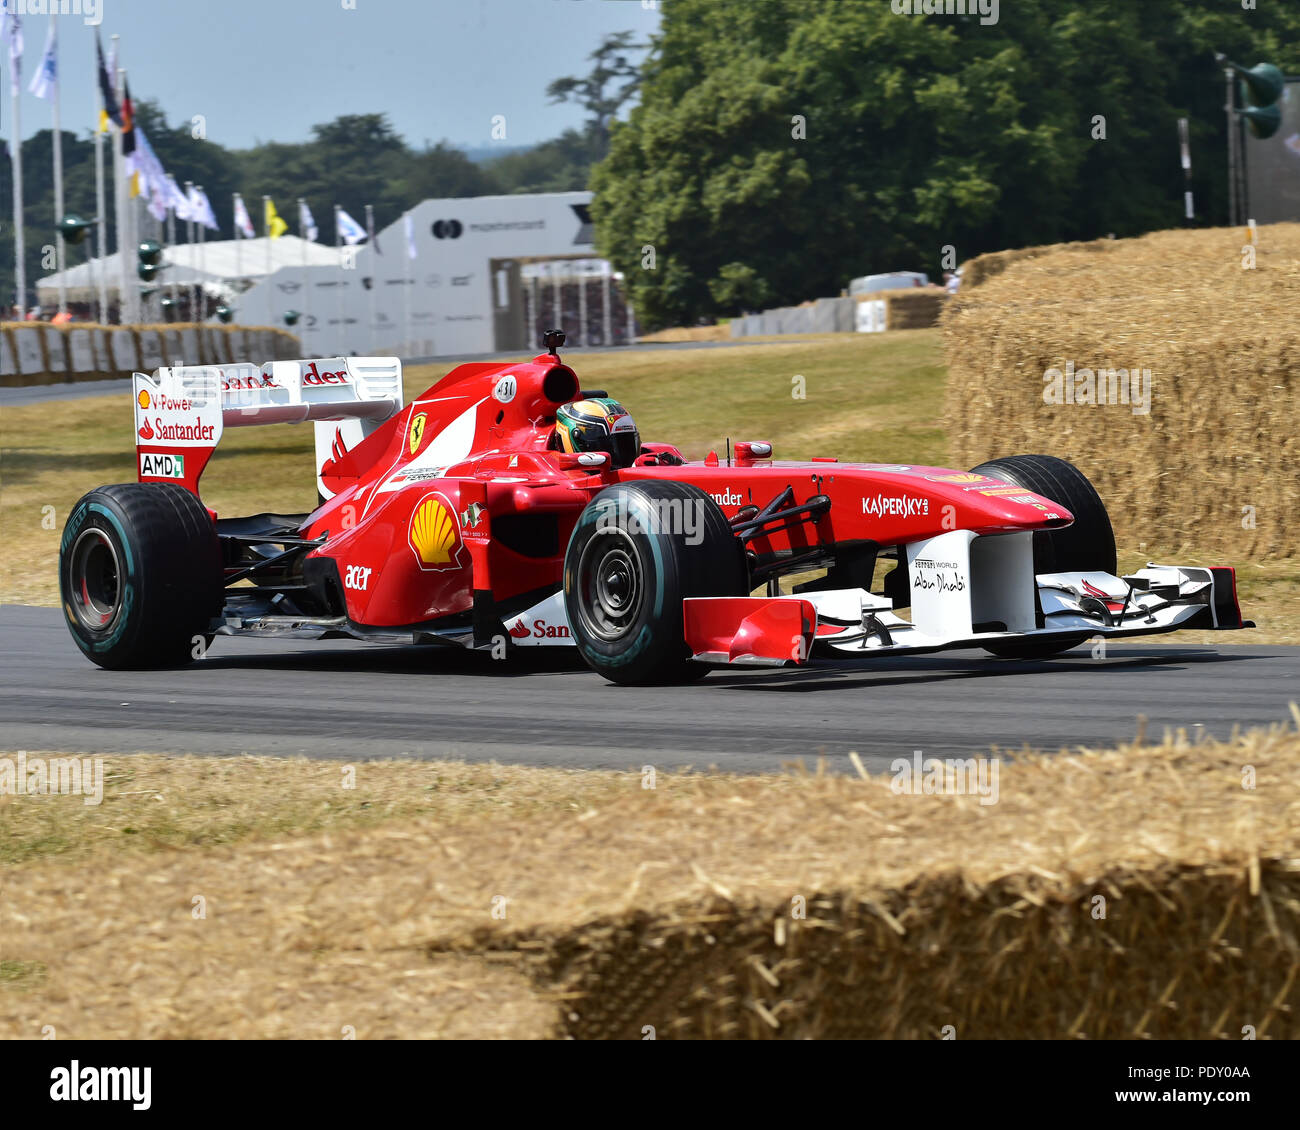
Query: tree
{"x":780,"y":149}
{"x":611,"y":83}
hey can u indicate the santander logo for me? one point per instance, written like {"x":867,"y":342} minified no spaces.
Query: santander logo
{"x":146,"y":432}
{"x":519,"y":631}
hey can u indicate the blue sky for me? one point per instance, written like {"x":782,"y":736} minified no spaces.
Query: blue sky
{"x":267,"y":70}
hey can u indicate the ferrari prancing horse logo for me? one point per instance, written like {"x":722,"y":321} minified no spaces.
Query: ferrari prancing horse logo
{"x":417,"y":431}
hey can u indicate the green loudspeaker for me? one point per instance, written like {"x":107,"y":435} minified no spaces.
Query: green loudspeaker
{"x":1263,"y":121}
{"x":291,"y":317}
{"x":1264,"y":83}
{"x":150,"y":253}
{"x":224,"y":314}
{"x":73,"y":228}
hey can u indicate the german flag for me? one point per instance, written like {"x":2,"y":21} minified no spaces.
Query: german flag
{"x":128,"y":121}
{"x":107,"y":93}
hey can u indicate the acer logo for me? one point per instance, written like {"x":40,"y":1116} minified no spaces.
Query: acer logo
{"x":357,"y":577}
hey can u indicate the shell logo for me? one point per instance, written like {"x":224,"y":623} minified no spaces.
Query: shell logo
{"x":964,"y":477}
{"x":143,"y":398}
{"x":435,"y":534}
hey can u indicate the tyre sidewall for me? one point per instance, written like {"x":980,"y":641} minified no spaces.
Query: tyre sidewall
{"x":124,"y":632}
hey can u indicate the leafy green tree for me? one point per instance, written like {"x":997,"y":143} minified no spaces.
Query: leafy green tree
{"x":808,"y":142}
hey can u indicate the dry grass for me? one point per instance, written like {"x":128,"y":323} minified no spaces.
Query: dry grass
{"x":678,"y":906}
{"x":719,"y":332}
{"x":1211,"y":470}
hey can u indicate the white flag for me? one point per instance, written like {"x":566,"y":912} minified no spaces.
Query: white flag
{"x":178,"y":202}
{"x":410,"y":235}
{"x":306,"y":224}
{"x":11,"y":32}
{"x":349,"y":230}
{"x":201,"y":209}
{"x":243,"y":225}
{"x":46,"y":78}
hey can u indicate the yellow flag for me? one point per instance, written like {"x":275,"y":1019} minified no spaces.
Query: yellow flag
{"x":135,"y":184}
{"x":275,"y":227}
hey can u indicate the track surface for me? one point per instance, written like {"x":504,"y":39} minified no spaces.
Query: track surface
{"x":353,"y":701}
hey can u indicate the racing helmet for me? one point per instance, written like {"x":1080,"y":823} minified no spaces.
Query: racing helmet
{"x":599,"y":423}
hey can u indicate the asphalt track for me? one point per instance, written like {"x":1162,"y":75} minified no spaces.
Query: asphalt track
{"x":355,"y":701}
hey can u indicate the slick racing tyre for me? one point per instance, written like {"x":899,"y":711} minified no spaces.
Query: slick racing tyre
{"x":637,"y":551}
{"x":1086,"y":545}
{"x":140,"y":575}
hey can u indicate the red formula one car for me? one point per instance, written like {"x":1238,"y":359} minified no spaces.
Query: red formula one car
{"x":507,"y":507}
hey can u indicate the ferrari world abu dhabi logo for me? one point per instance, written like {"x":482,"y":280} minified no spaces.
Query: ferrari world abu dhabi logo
{"x":434,"y":535}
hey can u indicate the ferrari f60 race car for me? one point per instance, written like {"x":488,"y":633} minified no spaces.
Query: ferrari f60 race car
{"x":490,"y":514}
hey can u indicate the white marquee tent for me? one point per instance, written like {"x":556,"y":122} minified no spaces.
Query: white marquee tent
{"x":215,"y":265}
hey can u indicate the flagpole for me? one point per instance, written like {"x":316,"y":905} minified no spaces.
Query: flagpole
{"x":306,"y":286}
{"x":119,"y":200}
{"x":203,"y":235}
{"x":58,"y":175}
{"x":16,"y":153}
{"x":189,"y":245}
{"x":266,"y":223}
{"x":98,"y":271}
{"x":406,"y":288}
{"x":238,"y":236}
{"x":374,"y":275}
{"x":338,"y":243}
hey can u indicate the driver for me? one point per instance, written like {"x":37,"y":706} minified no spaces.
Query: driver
{"x":599,"y":423}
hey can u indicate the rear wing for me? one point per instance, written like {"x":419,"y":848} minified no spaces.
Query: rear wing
{"x":181,"y":412}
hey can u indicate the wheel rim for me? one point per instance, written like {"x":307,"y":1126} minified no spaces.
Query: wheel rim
{"x":95,"y":576}
{"x":611,"y":586}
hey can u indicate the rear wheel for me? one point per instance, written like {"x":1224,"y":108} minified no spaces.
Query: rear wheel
{"x":140,"y":575}
{"x":637,"y":551}
{"x":1085,"y":546}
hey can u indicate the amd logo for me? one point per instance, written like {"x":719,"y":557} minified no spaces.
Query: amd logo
{"x":448,"y":229}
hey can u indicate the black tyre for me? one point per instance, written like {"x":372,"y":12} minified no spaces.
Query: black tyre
{"x":140,"y":575}
{"x":1088,"y":544}
{"x":629,"y":565}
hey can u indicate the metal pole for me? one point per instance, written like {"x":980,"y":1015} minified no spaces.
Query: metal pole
{"x":238,"y":236}
{"x":266,"y":223}
{"x":171,"y":242}
{"x":119,"y":202}
{"x":101,"y":237}
{"x":1185,"y":154}
{"x":407,"y":284}
{"x":306,"y":284}
{"x":16,"y":154}
{"x":338,"y":244}
{"x":558,"y":322}
{"x":202,"y":294}
{"x":58,"y":180}
{"x":374,"y":275}
{"x":582,"y":304}
{"x":606,"y":329}
{"x":1230,"y":107}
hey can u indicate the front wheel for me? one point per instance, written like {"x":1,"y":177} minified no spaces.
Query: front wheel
{"x":140,"y":575}
{"x":638,"y":550}
{"x":1087,"y":545}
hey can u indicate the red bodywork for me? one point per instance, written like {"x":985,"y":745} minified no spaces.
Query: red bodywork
{"x":459,"y":491}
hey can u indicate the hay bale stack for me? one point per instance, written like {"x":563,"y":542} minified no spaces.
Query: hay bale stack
{"x":1136,"y":893}
{"x":1211,"y":469}
{"x":41,"y":353}
{"x":915,"y":308}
